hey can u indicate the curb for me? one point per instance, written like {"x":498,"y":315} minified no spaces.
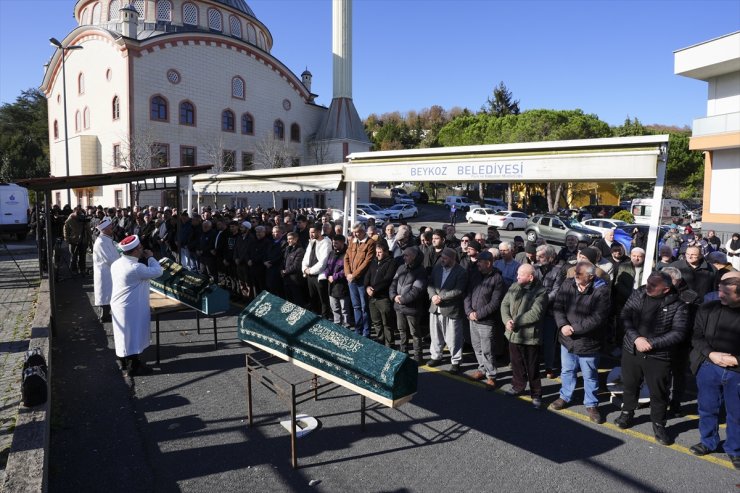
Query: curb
{"x":28,"y":463}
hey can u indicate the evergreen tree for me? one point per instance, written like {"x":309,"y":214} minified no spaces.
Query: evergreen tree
{"x":24,"y":137}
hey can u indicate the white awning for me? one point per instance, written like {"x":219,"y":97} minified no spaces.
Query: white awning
{"x":302,"y":179}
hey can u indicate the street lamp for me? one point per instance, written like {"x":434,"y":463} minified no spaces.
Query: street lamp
{"x":55,"y":42}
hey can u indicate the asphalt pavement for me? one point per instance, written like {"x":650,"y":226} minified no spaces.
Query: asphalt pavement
{"x":184,"y":428}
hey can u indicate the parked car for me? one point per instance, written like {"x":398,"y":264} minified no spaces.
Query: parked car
{"x":496,"y":204}
{"x":602,"y":225}
{"x":479,"y":215}
{"x":623,"y":234}
{"x":402,"y":198}
{"x":401,"y":211}
{"x":508,"y":220}
{"x":602,"y":211}
{"x":338,"y":215}
{"x":380,"y":217}
{"x":554,"y":229}
{"x":420,"y":197}
{"x":462,"y":203}
{"x":371,"y":206}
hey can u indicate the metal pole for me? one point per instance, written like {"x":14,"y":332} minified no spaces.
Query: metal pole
{"x":50,"y":259}
{"x":656,"y":212}
{"x":249,"y":394}
{"x":293,"y":455}
{"x":66,"y":135}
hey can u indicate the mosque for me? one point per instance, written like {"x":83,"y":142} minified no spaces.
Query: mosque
{"x":190,"y":82}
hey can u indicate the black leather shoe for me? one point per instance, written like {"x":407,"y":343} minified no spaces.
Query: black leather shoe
{"x":624,"y":420}
{"x":700,"y":449}
{"x":735,"y":461}
{"x":661,"y":435}
{"x":434,"y":362}
{"x":454,"y":368}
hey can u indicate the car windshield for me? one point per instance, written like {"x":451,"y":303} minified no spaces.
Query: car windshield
{"x":489,"y":211}
{"x":374,"y":207}
{"x":571,"y":222}
{"x":397,"y":207}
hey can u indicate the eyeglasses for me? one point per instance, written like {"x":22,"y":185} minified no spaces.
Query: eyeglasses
{"x":464,"y":241}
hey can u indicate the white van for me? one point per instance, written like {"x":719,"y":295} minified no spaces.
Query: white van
{"x":671,"y":212}
{"x":14,"y":210}
{"x":463,"y":204}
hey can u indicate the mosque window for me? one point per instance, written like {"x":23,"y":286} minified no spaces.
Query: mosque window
{"x":261,"y":41}
{"x":247,"y":124}
{"x":114,"y":10}
{"x":247,"y":161}
{"x":160,"y":155}
{"x":108,"y":75}
{"x":96,"y":14}
{"x":116,"y":108}
{"x":228,"y":160}
{"x":78,"y":121}
{"x":251,"y":34}
{"x":158,"y":109}
{"x":237,"y":87}
{"x":164,"y":11}
{"x":173,"y":76}
{"x":81,"y":83}
{"x":236,"y":26}
{"x":190,"y":14}
{"x":187,"y":156}
{"x":139,"y":6}
{"x":278,"y":129}
{"x":295,"y":133}
{"x":56,"y":129}
{"x":86,"y":118}
{"x":227,"y":121}
{"x":83,"y":17}
{"x":187,"y":113}
{"x":215,"y":22}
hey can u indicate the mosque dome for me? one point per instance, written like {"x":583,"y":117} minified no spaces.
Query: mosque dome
{"x":240,"y":5}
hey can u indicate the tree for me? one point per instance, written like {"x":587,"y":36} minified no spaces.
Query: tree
{"x":503,"y":102}
{"x":138,"y":151}
{"x":318,"y":149}
{"x":273,"y":153}
{"x":24,"y":137}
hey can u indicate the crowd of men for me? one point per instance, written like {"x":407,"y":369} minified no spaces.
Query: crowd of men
{"x":533,"y":304}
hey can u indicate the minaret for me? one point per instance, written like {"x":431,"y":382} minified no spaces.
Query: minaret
{"x":129,"y":21}
{"x":341,"y":127}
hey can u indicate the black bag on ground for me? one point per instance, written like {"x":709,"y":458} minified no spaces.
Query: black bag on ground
{"x":34,"y":386}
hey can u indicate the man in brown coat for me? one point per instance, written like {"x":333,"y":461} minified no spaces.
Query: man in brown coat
{"x":360,"y":253}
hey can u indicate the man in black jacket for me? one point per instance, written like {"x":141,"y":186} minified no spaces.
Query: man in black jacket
{"x":377,"y":284}
{"x":294,"y":282}
{"x":655,"y":321}
{"x":482,"y":303}
{"x":408,"y":292}
{"x":581,"y":309}
{"x":714,"y":361}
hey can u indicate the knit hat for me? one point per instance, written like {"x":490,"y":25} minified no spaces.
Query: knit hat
{"x":474,"y":244}
{"x":247,"y":225}
{"x":717,"y":258}
{"x":591,"y":254}
{"x":485,"y":255}
{"x":129,"y":243}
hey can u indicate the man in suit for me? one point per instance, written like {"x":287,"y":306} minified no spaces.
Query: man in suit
{"x":446,"y":291}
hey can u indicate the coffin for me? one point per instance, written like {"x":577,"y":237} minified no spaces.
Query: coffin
{"x":331,"y":351}
{"x":189,"y":287}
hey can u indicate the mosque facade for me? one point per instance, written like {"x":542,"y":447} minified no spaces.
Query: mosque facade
{"x":183,"y":83}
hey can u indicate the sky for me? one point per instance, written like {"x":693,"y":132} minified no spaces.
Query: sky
{"x":610,"y":58}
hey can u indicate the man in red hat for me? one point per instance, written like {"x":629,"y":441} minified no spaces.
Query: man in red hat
{"x":130,"y":303}
{"x":104,"y":254}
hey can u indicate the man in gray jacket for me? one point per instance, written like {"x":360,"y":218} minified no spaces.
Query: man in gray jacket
{"x":407,"y":291}
{"x":446,"y":292}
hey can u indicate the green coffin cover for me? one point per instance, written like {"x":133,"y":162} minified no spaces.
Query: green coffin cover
{"x":356,"y":362}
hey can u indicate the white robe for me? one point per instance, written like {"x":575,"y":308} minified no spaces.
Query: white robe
{"x":104,"y":254}
{"x":130,"y":303}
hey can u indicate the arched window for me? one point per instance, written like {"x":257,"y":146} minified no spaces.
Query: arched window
{"x":295,"y":133}
{"x":261,"y":41}
{"x":56,"y":129}
{"x":247,"y":124}
{"x":113,"y":10}
{"x":86,"y":118}
{"x":116,"y":108}
{"x":96,"y":14}
{"x":189,"y":14}
{"x":227,"y":121}
{"x":139,"y":6}
{"x":158,"y":109}
{"x":164,"y":11}
{"x":78,"y":121}
{"x":83,"y":17}
{"x":237,"y":87}
{"x":187,"y":113}
{"x":251,"y":34}
{"x":81,"y":83}
{"x":279,"y":130}
{"x":235,"y":25}
{"x":215,"y":21}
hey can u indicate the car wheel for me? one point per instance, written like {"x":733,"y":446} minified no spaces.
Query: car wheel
{"x":400,"y":216}
{"x":510,"y":227}
{"x":416,"y":214}
{"x":531,"y":236}
{"x":470,"y":220}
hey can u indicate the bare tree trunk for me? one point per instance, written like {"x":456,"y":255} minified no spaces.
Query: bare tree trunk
{"x":509,"y":197}
{"x":481,"y":194}
{"x":553,"y":196}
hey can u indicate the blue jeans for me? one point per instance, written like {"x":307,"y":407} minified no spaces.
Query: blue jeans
{"x":716,"y":384}
{"x":588,"y":363}
{"x":359,"y":304}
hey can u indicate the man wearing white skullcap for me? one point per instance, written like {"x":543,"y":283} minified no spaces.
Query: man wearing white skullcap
{"x":130,"y":304}
{"x":104,"y":254}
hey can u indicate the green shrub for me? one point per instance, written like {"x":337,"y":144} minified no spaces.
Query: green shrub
{"x":625,"y":216}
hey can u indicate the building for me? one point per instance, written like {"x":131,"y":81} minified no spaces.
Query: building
{"x":185,"y":82}
{"x":717,"y":62}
